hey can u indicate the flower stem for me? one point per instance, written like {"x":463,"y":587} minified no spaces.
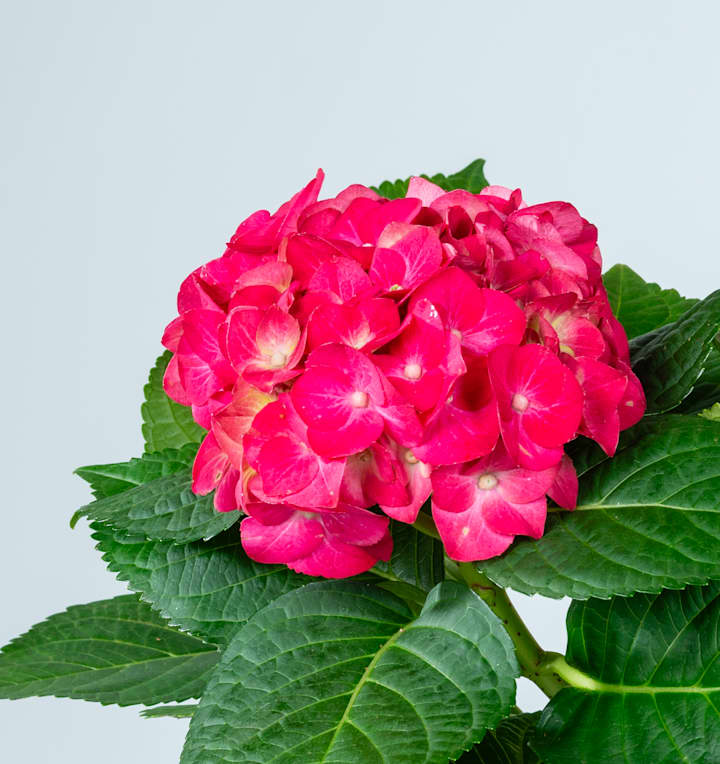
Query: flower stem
{"x":533,"y":660}
{"x":545,"y":669}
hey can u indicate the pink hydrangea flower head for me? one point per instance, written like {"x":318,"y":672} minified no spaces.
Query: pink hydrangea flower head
{"x":354,"y":356}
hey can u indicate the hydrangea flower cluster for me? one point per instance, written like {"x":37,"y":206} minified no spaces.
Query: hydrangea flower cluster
{"x":355,"y":356}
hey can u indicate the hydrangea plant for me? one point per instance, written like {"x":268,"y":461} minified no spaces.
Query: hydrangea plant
{"x":375,"y":413}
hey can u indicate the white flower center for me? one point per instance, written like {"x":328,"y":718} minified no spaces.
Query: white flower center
{"x":413,"y":371}
{"x":359,"y":399}
{"x":487,"y":482}
{"x":520,"y":402}
{"x":277,"y":360}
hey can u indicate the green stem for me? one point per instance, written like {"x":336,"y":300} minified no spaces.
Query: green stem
{"x":531,"y":657}
{"x":536,"y":664}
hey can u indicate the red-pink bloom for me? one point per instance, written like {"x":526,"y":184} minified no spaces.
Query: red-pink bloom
{"x":361,"y":323}
{"x":603,"y":388}
{"x":482,"y":319}
{"x":347,"y":403}
{"x":564,"y":491}
{"x":356,"y":352}
{"x":465,"y":426}
{"x":632,"y":405}
{"x":564,"y":326}
{"x":479,"y":507}
{"x":264,"y":345}
{"x":424,"y":361}
{"x":288,"y":469}
{"x":262,"y":232}
{"x":405,"y":256}
{"x":388,"y":475}
{"x":418,"y":488}
{"x":198,"y":369}
{"x":334,"y":544}
{"x":539,"y":402}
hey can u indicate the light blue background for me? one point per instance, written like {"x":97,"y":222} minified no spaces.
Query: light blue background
{"x":136,"y":135}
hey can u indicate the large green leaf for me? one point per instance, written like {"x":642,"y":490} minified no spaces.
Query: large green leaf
{"x":209,"y":588}
{"x":166,"y":424}
{"x":648,"y":518}
{"x":642,"y":306}
{"x":110,"y":479}
{"x":670,"y":360}
{"x":471,"y":178}
{"x":650,"y":691}
{"x":112,"y":651}
{"x":339,"y":672}
{"x":508,"y":744}
{"x":165,"y":508}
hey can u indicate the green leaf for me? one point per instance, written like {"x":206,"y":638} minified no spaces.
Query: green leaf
{"x":471,"y":178}
{"x":165,"y":508}
{"x":208,"y":588}
{"x":338,"y":672}
{"x":111,"y":651}
{"x":417,"y":559}
{"x":670,"y":360}
{"x":642,"y":306}
{"x":164,"y":712}
{"x":650,"y":688}
{"x":508,"y":744}
{"x":707,"y":389}
{"x":648,"y":518}
{"x":166,"y":424}
{"x":110,"y":479}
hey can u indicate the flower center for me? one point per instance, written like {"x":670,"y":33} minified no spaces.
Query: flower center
{"x":413,"y":371}
{"x":359,"y":399}
{"x":277,"y":360}
{"x":520,"y":402}
{"x":487,"y":482}
{"x":410,"y":457}
{"x":457,"y":333}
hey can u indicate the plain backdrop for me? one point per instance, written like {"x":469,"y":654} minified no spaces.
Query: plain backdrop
{"x":136,"y":135}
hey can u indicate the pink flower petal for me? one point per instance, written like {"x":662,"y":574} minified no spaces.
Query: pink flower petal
{"x":361,"y":324}
{"x":481,"y":318}
{"x":564,"y":491}
{"x":465,"y":427}
{"x":539,"y":403}
{"x":280,"y":541}
{"x":405,"y":257}
{"x":424,"y":190}
{"x":467,"y":536}
{"x":603,"y":388}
